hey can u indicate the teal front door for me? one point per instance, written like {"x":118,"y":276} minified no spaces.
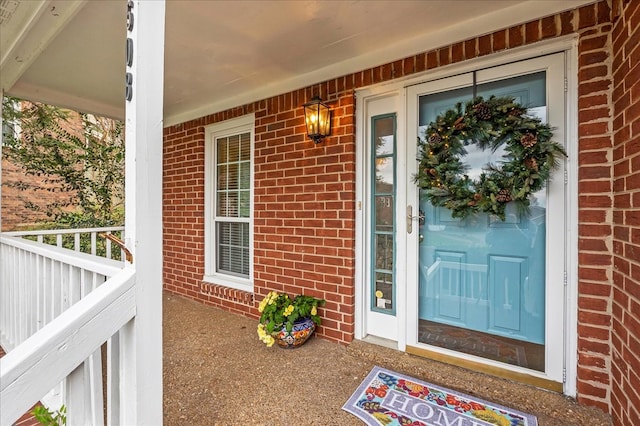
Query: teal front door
{"x":483,"y":283}
{"x":483,"y":273}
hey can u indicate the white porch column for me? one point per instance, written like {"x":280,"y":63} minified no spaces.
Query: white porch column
{"x":141,"y":356}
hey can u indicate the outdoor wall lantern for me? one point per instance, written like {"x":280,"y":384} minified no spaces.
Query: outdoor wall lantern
{"x":317,"y":116}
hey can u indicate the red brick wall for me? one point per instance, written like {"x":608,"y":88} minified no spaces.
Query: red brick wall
{"x":14,"y":213}
{"x":304,"y":206}
{"x":304,"y":216}
{"x":595,"y":204}
{"x":625,"y":368}
{"x":183,"y":208}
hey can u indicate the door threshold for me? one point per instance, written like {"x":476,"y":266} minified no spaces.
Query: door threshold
{"x":380,"y":341}
{"x":488,"y":369}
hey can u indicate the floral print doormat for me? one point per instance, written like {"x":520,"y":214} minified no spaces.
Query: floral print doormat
{"x":388,"y":398}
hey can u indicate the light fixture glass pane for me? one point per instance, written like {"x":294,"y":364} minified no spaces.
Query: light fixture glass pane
{"x":324,"y":120}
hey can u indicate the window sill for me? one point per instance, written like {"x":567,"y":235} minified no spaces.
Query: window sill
{"x":230,"y":282}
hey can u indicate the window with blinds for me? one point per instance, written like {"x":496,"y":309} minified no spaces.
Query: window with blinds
{"x":233,"y":190}
{"x":228,"y":203}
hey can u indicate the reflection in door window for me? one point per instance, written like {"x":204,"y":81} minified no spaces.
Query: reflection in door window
{"x":383,"y":144}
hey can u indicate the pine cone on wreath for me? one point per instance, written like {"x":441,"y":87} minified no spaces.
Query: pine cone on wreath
{"x":531,"y":164}
{"x":516,"y":112}
{"x":503,"y":196}
{"x":528,"y":140}
{"x":435,"y":138}
{"x":459,"y":123}
{"x":482,"y":111}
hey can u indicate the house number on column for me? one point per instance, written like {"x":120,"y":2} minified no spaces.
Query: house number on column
{"x":128,"y":81}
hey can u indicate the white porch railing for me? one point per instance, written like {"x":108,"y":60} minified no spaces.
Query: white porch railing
{"x":58,"y":307}
{"x":39,"y":282}
{"x":85,"y":240}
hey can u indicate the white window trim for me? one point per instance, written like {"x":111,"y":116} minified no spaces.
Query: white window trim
{"x":234,"y":126}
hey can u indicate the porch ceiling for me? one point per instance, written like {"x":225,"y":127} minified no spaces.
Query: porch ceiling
{"x":221,"y":54}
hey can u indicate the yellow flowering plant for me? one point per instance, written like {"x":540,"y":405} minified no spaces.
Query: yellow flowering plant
{"x":278,"y":310}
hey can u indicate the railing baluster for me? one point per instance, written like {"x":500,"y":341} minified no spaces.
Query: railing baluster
{"x":122,"y":253}
{"x":69,"y":287}
{"x":76,"y":241}
{"x":107,"y":246}
{"x":113,"y":379}
{"x":40,"y":283}
{"x":57,"y":289}
{"x":21,"y":298}
{"x":95,"y":387}
{"x":50,"y":289}
{"x":76,"y":291}
{"x":59,"y":240}
{"x":74,"y":392}
{"x":32,"y":295}
{"x":11,"y":307}
{"x":24,"y":303}
{"x":93,"y":244}
{"x":13,"y":331}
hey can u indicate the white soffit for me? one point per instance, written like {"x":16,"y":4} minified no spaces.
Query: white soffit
{"x":221,"y":54}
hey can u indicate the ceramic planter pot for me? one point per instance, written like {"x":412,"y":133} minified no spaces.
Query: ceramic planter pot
{"x":301,"y":331}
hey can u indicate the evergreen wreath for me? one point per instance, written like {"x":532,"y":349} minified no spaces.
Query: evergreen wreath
{"x":529,"y":157}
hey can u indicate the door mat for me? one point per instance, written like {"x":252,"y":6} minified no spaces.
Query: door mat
{"x":388,"y":398}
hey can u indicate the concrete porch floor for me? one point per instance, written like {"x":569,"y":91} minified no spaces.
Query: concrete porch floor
{"x":217,"y":372}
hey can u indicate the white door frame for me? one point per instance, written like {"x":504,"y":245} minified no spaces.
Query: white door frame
{"x":391,"y":328}
{"x":567,"y":44}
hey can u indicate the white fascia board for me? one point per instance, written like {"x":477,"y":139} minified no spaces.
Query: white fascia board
{"x":61,"y":99}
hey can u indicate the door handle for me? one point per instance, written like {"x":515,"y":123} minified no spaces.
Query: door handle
{"x":411,"y":218}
